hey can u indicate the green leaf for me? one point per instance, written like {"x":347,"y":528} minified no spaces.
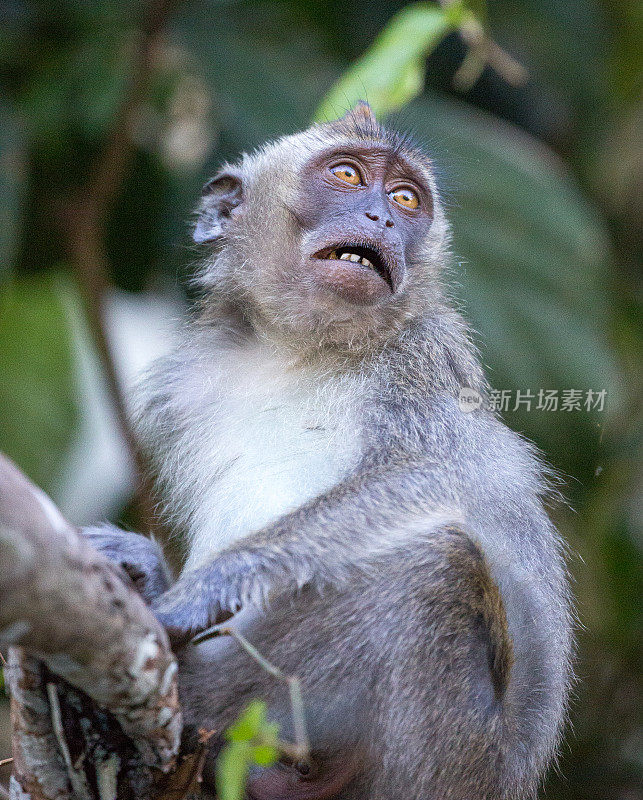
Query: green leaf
{"x":479,"y":9}
{"x":249,"y":724}
{"x":391,"y":72}
{"x":37,"y":385}
{"x":12,"y":182}
{"x":233,"y":765}
{"x":251,"y":740}
{"x":264,"y":755}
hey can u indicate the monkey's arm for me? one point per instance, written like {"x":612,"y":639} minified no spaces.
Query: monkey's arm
{"x":321,"y":543}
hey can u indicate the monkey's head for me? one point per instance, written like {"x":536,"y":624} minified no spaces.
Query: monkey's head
{"x":331,"y":237}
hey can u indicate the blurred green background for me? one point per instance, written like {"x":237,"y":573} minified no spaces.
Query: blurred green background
{"x":543,"y":182}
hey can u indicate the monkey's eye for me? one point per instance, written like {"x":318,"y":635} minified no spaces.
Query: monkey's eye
{"x":405,"y":197}
{"x":347,"y":173}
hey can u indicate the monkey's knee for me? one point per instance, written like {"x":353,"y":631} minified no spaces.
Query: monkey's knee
{"x":479,"y":711}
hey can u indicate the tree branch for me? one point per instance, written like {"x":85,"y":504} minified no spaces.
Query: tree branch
{"x":99,"y":680}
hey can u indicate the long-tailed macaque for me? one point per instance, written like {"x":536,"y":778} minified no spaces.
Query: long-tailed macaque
{"x":368,"y":533}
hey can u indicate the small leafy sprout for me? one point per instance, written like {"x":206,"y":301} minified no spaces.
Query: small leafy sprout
{"x":251,"y":740}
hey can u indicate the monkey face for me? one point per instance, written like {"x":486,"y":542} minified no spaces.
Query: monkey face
{"x":363,"y":210}
{"x":333,"y":235}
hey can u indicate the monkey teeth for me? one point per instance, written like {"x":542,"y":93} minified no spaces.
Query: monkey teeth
{"x":348,"y":256}
{"x":366,"y":256}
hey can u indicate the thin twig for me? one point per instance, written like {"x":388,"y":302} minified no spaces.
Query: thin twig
{"x":483,"y":51}
{"x":5,"y":761}
{"x":506,"y":66}
{"x":301,"y":748}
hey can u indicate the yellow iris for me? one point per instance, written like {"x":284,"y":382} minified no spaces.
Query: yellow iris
{"x":347,"y":174}
{"x":405,"y":197}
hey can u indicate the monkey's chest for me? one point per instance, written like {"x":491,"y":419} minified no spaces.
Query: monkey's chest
{"x":274,"y":444}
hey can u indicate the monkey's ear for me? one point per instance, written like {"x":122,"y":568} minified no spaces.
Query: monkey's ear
{"x":361,"y":112}
{"x":219,"y":197}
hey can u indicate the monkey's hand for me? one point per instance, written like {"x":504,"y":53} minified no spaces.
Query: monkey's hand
{"x":140,"y":557}
{"x":208,"y":595}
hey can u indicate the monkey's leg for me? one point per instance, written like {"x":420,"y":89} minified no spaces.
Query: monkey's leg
{"x":406,"y":677}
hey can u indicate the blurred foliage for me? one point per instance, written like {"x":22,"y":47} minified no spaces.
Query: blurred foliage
{"x":11,"y":186}
{"x":542,"y":181}
{"x":37,"y":397}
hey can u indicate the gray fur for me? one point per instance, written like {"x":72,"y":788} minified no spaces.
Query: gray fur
{"x":139,"y":556}
{"x":411,"y":578}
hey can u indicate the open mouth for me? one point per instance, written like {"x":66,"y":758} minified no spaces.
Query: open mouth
{"x":359,"y":254}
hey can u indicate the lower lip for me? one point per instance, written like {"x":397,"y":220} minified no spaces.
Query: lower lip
{"x":351,"y":280}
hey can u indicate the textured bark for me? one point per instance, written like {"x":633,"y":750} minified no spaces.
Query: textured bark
{"x":95,"y":708}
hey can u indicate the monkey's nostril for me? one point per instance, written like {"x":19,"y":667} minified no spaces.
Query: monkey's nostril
{"x":372,"y":216}
{"x":389,"y":223}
